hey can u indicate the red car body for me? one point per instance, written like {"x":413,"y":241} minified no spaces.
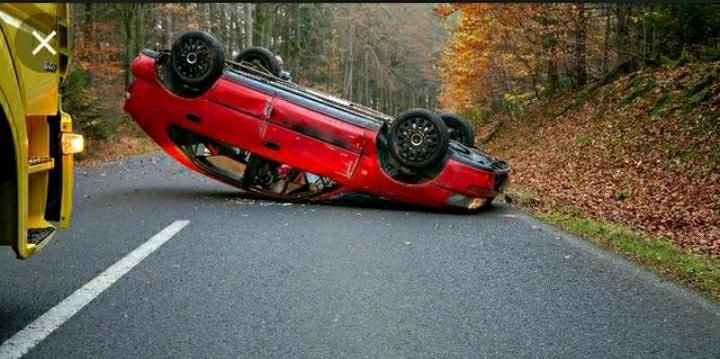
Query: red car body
{"x":285,"y":126}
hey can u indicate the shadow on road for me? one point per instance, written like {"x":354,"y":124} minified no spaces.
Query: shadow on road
{"x":350,"y":200}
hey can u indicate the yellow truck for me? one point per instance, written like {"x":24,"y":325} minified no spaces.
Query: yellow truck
{"x":36,"y":139}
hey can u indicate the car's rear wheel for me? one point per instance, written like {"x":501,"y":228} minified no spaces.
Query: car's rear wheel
{"x":459,"y":129}
{"x":418,"y":139}
{"x":261,"y":59}
{"x":197,"y":59}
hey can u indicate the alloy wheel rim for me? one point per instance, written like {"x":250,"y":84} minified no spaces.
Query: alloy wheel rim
{"x":193,"y":58}
{"x":417,"y":139}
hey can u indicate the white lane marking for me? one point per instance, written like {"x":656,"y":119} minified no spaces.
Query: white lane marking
{"x":35,"y":332}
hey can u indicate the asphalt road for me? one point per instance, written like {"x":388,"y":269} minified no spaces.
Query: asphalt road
{"x":251,"y":278}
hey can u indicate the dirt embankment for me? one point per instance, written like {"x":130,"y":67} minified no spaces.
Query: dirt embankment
{"x":643,"y":151}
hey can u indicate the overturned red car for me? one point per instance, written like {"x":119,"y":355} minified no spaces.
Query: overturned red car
{"x":244,"y":123}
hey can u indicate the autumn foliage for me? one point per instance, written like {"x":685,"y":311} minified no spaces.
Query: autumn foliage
{"x":498,"y":49}
{"x":607,"y":110}
{"x":643,"y":151}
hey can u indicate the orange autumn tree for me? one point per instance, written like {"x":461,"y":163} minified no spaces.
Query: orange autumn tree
{"x":501,"y":48}
{"x":466,"y":60}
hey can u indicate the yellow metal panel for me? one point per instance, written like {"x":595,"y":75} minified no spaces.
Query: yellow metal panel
{"x":24,"y":26}
{"x":67,"y":176}
{"x":29,"y":93}
{"x":38,"y":133}
{"x":11,"y":101}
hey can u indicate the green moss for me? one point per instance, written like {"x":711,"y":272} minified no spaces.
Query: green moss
{"x":621,"y":194}
{"x":709,"y":123}
{"x":583,"y":96}
{"x":661,"y":106}
{"x":697,"y":99}
{"x":583,"y":140}
{"x":684,"y":57}
{"x":702,"y":84}
{"x":521,"y":197}
{"x":615,"y":73}
{"x":102,"y":130}
{"x":477,"y":116}
{"x":638,"y":87}
{"x":689,"y":155}
{"x":714,"y":158}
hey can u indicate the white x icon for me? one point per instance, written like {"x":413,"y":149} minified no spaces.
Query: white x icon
{"x":43,"y":43}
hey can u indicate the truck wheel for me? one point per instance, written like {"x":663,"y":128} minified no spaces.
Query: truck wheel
{"x":418,"y":138}
{"x":260,"y":57}
{"x":197,"y":59}
{"x":459,"y":128}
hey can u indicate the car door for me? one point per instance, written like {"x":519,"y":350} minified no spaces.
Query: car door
{"x":306,"y":137}
{"x":235,"y":114}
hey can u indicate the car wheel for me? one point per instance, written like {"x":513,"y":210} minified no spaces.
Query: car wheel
{"x":197,"y":59}
{"x":262,"y":57}
{"x":418,"y":139}
{"x":259,"y":172}
{"x":459,"y":129}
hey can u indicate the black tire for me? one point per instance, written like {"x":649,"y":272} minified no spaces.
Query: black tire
{"x":418,"y":139}
{"x":257,"y":172}
{"x":197,"y":59}
{"x":262,"y":57}
{"x":459,"y":128}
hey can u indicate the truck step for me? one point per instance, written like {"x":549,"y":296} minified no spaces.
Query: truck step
{"x":39,"y":164}
{"x":37,"y":235}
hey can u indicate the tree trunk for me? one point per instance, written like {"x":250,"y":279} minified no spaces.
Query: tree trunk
{"x":580,"y":55}
{"x":249,"y":25}
{"x":348,"y":88}
{"x":87,"y":32}
{"x":260,"y":25}
{"x":606,"y":42}
{"x":622,"y":38}
{"x":552,"y":75}
{"x":234,"y":28}
{"x":298,"y":35}
{"x":140,"y":29}
{"x":170,"y":30}
{"x":129,"y":22}
{"x":367,"y":80}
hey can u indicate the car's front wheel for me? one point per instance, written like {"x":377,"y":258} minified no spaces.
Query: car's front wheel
{"x":418,"y":139}
{"x":197,"y":59}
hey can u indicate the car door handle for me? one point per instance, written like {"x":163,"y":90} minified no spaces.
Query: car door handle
{"x":271,"y":145}
{"x":193,"y":117}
